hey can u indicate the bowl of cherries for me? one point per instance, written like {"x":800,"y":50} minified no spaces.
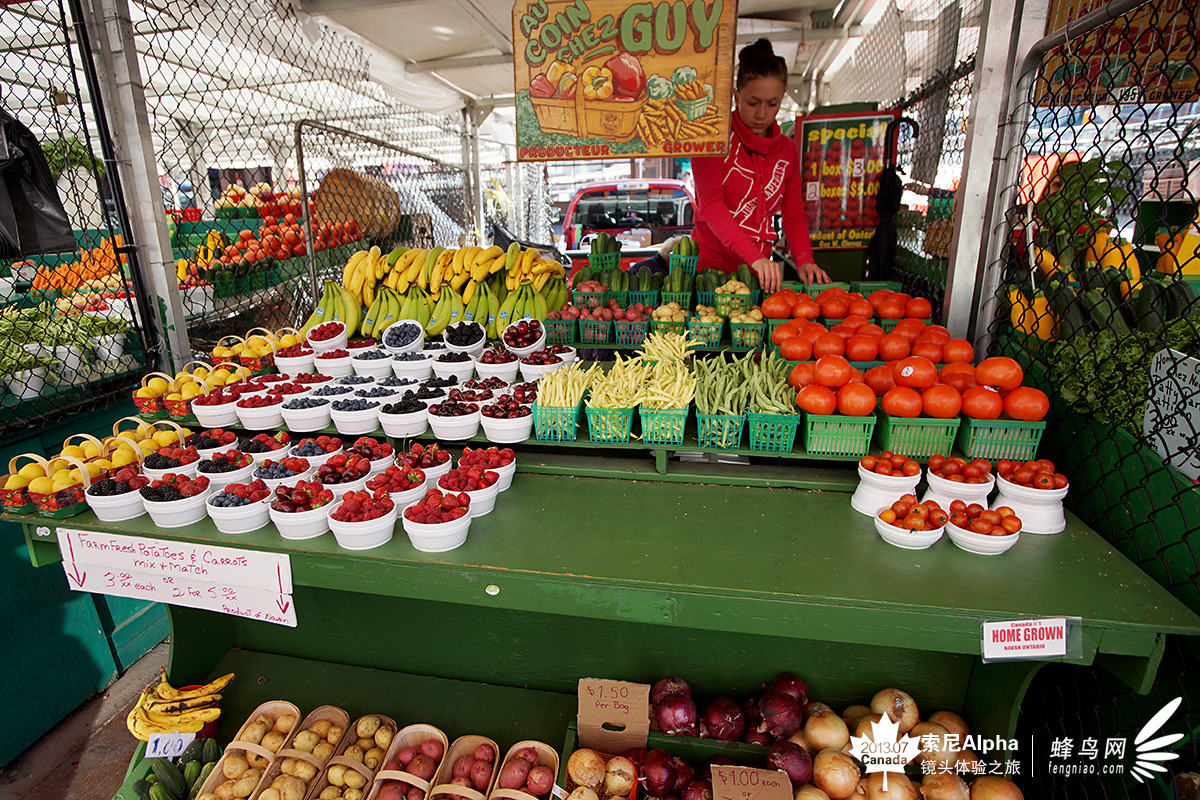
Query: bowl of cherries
{"x":363,"y":520}
{"x":524,"y":337}
{"x":507,"y":420}
{"x":430,"y":459}
{"x":301,"y":511}
{"x":499,"y":363}
{"x":344,"y":472}
{"x":240,"y":507}
{"x":454,"y":420}
{"x":381,"y":454}
{"x":535,"y":365}
{"x":439,"y":521}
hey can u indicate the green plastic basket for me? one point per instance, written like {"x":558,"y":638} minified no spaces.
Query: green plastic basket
{"x":588,"y":300}
{"x":772,"y":324}
{"x":686,"y":263}
{"x":867,"y":287}
{"x":631,"y":333}
{"x":647,"y":298}
{"x":887,"y":324}
{"x":684,"y":299}
{"x":773,"y":433}
{"x":622,"y":298}
{"x":609,"y":425}
{"x":747,"y":335}
{"x":729,"y":304}
{"x":995,"y":439}
{"x":593,"y":331}
{"x":918,"y":437}
{"x":706,"y":334}
{"x":663,"y":425}
{"x":719,"y":431}
{"x":560,"y":331}
{"x":814,"y":289}
{"x":555,"y":423}
{"x":706,"y":299}
{"x":604,"y":260}
{"x":838,"y":435}
{"x":665,"y":326}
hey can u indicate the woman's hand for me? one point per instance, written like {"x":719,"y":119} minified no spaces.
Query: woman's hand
{"x":770,"y":275}
{"x":811,"y":273}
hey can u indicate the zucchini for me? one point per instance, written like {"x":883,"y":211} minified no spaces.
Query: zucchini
{"x":1179,"y":298}
{"x":142,"y":789}
{"x":1148,"y":306}
{"x":1103,"y":314}
{"x":1072,"y":321}
{"x":169,"y":776}
{"x":212,"y":750}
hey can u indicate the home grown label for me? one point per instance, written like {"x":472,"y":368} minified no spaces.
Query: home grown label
{"x":600,"y":78}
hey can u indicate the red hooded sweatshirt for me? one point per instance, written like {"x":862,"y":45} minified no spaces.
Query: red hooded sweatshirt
{"x":738,"y":195}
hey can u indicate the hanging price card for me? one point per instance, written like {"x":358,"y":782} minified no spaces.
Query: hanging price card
{"x":747,"y":783}
{"x":614,"y":716}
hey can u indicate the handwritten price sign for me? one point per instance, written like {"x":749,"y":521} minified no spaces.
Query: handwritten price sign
{"x":747,"y":783}
{"x":613,"y":715}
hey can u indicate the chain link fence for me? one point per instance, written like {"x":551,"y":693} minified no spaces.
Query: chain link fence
{"x":1094,"y":292}
{"x":71,"y":334}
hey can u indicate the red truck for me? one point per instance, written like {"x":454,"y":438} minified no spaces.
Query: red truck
{"x":649,"y":210}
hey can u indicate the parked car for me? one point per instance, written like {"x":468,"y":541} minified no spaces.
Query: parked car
{"x":646,"y":211}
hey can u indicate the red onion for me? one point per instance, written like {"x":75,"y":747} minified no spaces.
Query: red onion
{"x":676,"y":715}
{"x":789,"y":684}
{"x":637,"y":755}
{"x":781,"y":715}
{"x":724,"y":719}
{"x":792,"y":759}
{"x":699,"y":789}
{"x":658,"y":772}
{"x":684,"y":773}
{"x":754,"y":737}
{"x":666,"y":686}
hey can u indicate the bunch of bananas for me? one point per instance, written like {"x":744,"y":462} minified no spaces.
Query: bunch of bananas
{"x":337,"y":304}
{"x":165,"y":709}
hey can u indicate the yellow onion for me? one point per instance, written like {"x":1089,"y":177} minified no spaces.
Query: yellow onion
{"x":864,"y":726}
{"x":799,"y":738}
{"x":586,"y":767}
{"x":836,"y":774}
{"x":951,"y":722}
{"x":899,"y":787}
{"x":853,"y":714}
{"x":942,"y":752}
{"x":944,"y":786}
{"x":825,"y":729}
{"x":898,"y":705}
{"x":810,"y":792}
{"x":969,"y":764}
{"x":989,"y":787}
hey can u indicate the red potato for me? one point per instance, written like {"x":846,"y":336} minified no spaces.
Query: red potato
{"x":514,"y":773}
{"x":481,"y":775}
{"x":462,"y":782}
{"x":541,"y":781}
{"x":529,"y":754}
{"x":406,"y":755}
{"x":462,"y":767}
{"x":485,"y":752}
{"x":433,"y":748}
{"x":422,"y":766}
{"x":415,"y":794}
{"x":392,"y":790}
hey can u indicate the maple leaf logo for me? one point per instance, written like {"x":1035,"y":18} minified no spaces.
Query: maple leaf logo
{"x":885,"y":749}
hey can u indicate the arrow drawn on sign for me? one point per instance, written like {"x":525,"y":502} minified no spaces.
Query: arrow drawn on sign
{"x":74,"y":573}
{"x":283,"y":606}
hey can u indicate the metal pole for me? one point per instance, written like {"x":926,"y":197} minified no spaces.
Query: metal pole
{"x":477,"y":177}
{"x":135,"y":154}
{"x":309,"y":250}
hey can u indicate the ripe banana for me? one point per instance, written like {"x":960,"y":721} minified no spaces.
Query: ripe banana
{"x":352,"y":308}
{"x":352,"y":264}
{"x":456,"y":306}
{"x":156,"y":705}
{"x":168,"y":692}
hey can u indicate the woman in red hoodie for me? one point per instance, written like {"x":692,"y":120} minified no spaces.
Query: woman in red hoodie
{"x":739,"y":194}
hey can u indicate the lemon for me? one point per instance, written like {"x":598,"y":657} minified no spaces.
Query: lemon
{"x":32,"y":470}
{"x":42,"y":485}
{"x":72,"y":476}
{"x":262,"y":349}
{"x":237,"y":348}
{"x":130,"y":435}
{"x":148,"y":447}
{"x":157,"y":386}
{"x":17,"y":481}
{"x":100,"y":464}
{"x":221,"y":352}
{"x":74,"y":451}
{"x":201,"y":373}
{"x":123,"y":457}
{"x":165,"y":438}
{"x":145,"y":393}
{"x":220,"y":377}
{"x":186,"y":431}
{"x":63,"y":483}
{"x":191,"y":390}
{"x":288,"y":340}
{"x":174,"y":396}
{"x":90,"y":450}
{"x":57,"y":465}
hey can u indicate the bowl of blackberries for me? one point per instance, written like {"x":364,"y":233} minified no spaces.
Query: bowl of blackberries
{"x":212,"y":441}
{"x":406,"y":417}
{"x":506,"y":421}
{"x":307,"y":414}
{"x":240,"y":507}
{"x":172,"y":458}
{"x":456,"y":365}
{"x":116,"y":499}
{"x":454,"y":420}
{"x":524,"y":336}
{"x":465,"y":337}
{"x":174,"y":500}
{"x":404,"y":336}
{"x":222,"y":469}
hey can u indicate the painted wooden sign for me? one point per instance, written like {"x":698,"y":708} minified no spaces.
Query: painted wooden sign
{"x":605,"y":78}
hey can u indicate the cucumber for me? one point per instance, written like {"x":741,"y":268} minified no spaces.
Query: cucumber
{"x":205,"y":771}
{"x":169,"y":777}
{"x":191,"y":772}
{"x":159,"y":792}
{"x":192,"y":752}
{"x":142,"y":789}
{"x":1179,"y":298}
{"x":1148,"y":306}
{"x":212,"y":751}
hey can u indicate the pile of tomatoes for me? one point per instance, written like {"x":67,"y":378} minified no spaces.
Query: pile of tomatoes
{"x":1003,"y":521}
{"x":910,"y":515}
{"x":837,"y":303}
{"x":889,"y":463}
{"x":1038,"y":474}
{"x":959,"y":470}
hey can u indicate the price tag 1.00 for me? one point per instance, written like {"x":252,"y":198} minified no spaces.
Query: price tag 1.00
{"x":747,"y":783}
{"x":168,"y":745}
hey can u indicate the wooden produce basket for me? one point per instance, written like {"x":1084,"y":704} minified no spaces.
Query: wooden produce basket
{"x":547,"y":757}
{"x":153,"y":407}
{"x":258,"y":756}
{"x":558,"y":114}
{"x":410,"y":736}
{"x":461,"y":747}
{"x":19,"y":501}
{"x":259,"y":365}
{"x":48,"y":505}
{"x":612,"y":120}
{"x":336,"y":717}
{"x":345,"y":195}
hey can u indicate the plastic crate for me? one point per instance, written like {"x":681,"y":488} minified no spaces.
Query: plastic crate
{"x":706,"y":334}
{"x":555,"y":423}
{"x":838,"y":435}
{"x":647,"y":298}
{"x":730,"y":304}
{"x":995,"y":439}
{"x":917,"y":437}
{"x":814,"y":289}
{"x":560,"y":331}
{"x":588,"y":300}
{"x":867,"y":287}
{"x":719,"y":431}
{"x":686,"y":263}
{"x":593,"y":331}
{"x":631,"y":333}
{"x":609,"y":425}
{"x":663,"y":425}
{"x":747,"y":335}
{"x":622,"y":298}
{"x":666,"y":326}
{"x":773,"y":433}
{"x":684,"y":299}
{"x":888,"y":325}
{"x":706,"y":299}
{"x":604,"y":260}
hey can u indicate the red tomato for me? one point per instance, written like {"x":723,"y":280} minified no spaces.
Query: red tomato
{"x":929,"y":350}
{"x":785,"y":330}
{"x":908,"y":333}
{"x":861,"y":308}
{"x":797,"y":348}
{"x":829,"y":344}
{"x":890,"y":309}
{"x":801,"y":375}
{"x":941,"y":401}
{"x":874,"y":331}
{"x":880,"y":379}
{"x":979,"y":402}
{"x":843,"y":330}
{"x":834,"y":307}
{"x":817,"y":399}
{"x":1026,"y":403}
{"x":999,"y":371}
{"x":777,"y":306}
{"x":812,"y":331}
{"x":915,"y":371}
{"x":902,"y":401}
{"x":877,"y":297}
{"x":832,"y":371}
{"x":806,"y":309}
{"x":861,"y":348}
{"x":893,"y":347}
{"x":959,"y":375}
{"x":855,"y":400}
{"x":957,"y":350}
{"x":935,"y":334}
{"x":854,"y":321}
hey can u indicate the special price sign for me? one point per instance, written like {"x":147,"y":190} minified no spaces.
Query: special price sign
{"x":842,"y":158}
{"x":603,"y":78}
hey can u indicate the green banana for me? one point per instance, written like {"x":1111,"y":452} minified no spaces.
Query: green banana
{"x":390,"y":313}
{"x":456,"y":305}
{"x":318,"y":314}
{"x":506,"y":310}
{"x":540,"y":309}
{"x":394,"y":256}
{"x":368,"y":323}
{"x":510,"y":259}
{"x":352,"y":309}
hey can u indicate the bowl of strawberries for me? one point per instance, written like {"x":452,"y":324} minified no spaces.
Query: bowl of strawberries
{"x":502,"y":461}
{"x":403,"y":483}
{"x":301,"y":511}
{"x":363,"y":520}
{"x":240,"y":507}
{"x":260,"y":412}
{"x":479,"y":484}
{"x":267,"y":445}
{"x":439,"y":521}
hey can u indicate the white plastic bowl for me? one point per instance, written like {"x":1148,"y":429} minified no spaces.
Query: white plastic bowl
{"x":506,"y":372}
{"x":531,"y":372}
{"x":437,"y":471}
{"x":380,"y":464}
{"x":402,"y":426}
{"x":416,"y":344}
{"x":294,"y":365}
{"x":220,"y":416}
{"x":907,"y":540}
{"x":364,"y":535}
{"x":209,"y":452}
{"x":877,"y":491}
{"x":1040,"y":510}
{"x":980,"y":543}
{"x":569,"y":356}
{"x":109,"y":347}
{"x":267,"y":418}
{"x":300,"y":525}
{"x":521,"y":352}
{"x":340,"y":489}
{"x":313,"y":461}
{"x":409,"y":496}
{"x":506,"y":475}
{"x":507,"y":431}
{"x":275,"y":483}
{"x":239,"y":519}
{"x":219,"y":480}
{"x":454,"y":429}
{"x":356,"y":423}
{"x":272,"y":454}
{"x":483,"y":500}
{"x":459,"y":370}
{"x":944,"y":491}
{"x":336,"y":343}
{"x":307,"y":420}
{"x":184,"y":469}
{"x":438,"y":538}
{"x":474,"y":349}
{"x":117,"y":507}
{"x":177,"y":513}
{"x":372,"y":367}
{"x":335,"y":367}
{"x":418,"y":369}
